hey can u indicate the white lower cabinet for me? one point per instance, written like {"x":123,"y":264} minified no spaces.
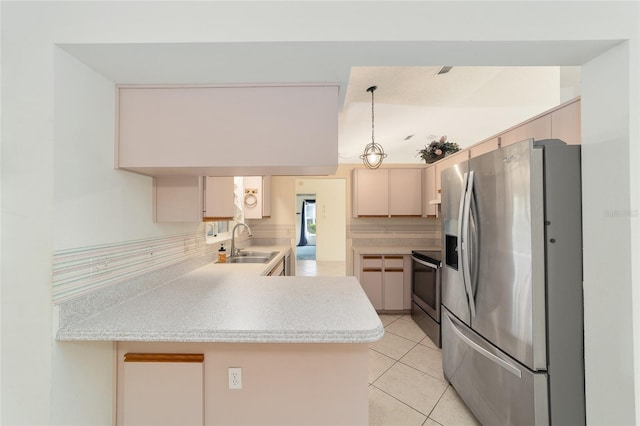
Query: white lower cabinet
{"x":162,"y":389}
{"x":372,"y":285}
{"x":386,"y":280}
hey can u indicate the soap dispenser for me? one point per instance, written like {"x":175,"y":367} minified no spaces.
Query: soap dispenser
{"x":222,"y":254}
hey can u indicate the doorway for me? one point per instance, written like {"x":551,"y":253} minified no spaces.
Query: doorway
{"x":306,"y":226}
{"x":321,"y":226}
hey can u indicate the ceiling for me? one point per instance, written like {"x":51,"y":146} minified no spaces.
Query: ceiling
{"x":413,"y":105}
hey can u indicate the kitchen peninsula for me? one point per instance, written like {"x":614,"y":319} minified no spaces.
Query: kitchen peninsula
{"x":301,"y":343}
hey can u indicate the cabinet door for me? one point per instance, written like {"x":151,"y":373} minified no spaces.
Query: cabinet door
{"x":538,"y":129}
{"x":218,"y":199}
{"x":407,"y":281}
{"x":371,"y":279}
{"x":173,"y":127}
{"x":405,"y":192}
{"x":429,"y":191}
{"x":565,"y":124}
{"x":266,"y":196}
{"x":393,"y":290}
{"x":177,"y":199}
{"x":447,"y":162}
{"x":370,"y":193}
{"x":372,"y":286}
{"x":163,"y":389}
{"x":484,"y":147}
{"x":252,"y":197}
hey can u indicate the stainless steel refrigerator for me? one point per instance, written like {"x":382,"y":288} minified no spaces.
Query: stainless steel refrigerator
{"x":512,"y":317}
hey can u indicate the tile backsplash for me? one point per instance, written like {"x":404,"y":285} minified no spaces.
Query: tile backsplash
{"x":82,"y":270}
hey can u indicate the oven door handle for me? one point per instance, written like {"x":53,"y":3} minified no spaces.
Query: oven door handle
{"x":423,"y":262}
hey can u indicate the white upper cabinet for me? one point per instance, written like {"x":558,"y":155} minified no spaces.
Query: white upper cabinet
{"x":177,"y":199}
{"x":429,"y":198}
{"x":538,"y":129}
{"x":370,"y":192}
{"x":565,"y":123}
{"x":387,"y":192}
{"x":447,"y":162}
{"x":192,"y":199}
{"x":484,"y":147}
{"x":256,"y":196}
{"x":218,"y":199}
{"x":405,"y":192}
{"x":228,"y":130}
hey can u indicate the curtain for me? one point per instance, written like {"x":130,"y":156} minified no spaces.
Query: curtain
{"x":303,"y":223}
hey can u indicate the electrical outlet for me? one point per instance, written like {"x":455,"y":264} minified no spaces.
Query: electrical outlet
{"x":235,"y":378}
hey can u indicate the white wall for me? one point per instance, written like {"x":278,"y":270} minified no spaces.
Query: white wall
{"x":30,"y":30}
{"x":93,"y":204}
{"x":608,"y":215}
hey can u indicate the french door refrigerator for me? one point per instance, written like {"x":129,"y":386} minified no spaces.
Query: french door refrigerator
{"x":512,"y":310}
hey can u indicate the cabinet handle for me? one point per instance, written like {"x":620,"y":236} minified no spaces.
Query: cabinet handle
{"x":393,"y":257}
{"x":372,"y":270}
{"x":154,"y":357}
{"x":372,"y":257}
{"x":393,"y":270}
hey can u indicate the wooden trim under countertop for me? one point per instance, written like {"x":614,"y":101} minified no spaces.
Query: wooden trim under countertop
{"x":156,"y":357}
{"x":216,"y":219}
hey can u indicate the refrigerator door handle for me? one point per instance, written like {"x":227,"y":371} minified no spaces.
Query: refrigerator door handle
{"x":482,"y":351}
{"x":465,"y":178}
{"x":466,"y":271}
{"x":474,"y":251}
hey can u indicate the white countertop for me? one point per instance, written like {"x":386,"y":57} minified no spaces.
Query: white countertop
{"x":233,"y":303}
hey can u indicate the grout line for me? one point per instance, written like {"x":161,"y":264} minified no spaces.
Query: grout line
{"x":428,"y":416}
{"x":424,"y":372}
{"x":438,"y":402}
{"x":402,"y":402}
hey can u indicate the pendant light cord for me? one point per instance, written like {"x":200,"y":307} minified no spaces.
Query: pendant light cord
{"x":372,"y":89}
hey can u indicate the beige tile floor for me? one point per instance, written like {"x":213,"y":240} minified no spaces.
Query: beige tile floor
{"x":406,"y":383}
{"x":312,"y":268}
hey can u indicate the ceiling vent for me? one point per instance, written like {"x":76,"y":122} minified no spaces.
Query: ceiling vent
{"x":443,"y":70}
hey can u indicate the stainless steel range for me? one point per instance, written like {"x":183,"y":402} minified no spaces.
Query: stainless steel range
{"x":425,"y":291}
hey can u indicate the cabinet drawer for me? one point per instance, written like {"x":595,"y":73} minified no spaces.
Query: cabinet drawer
{"x":396,"y":262}
{"x":372,"y":262}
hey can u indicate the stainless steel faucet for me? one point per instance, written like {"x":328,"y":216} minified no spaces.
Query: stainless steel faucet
{"x":234,"y":251}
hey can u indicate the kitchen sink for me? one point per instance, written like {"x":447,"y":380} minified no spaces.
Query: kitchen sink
{"x":248,"y":259}
{"x":252,"y":257}
{"x":268,"y":254}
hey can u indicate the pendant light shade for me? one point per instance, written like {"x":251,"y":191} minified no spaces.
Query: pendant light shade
{"x":373,"y":153}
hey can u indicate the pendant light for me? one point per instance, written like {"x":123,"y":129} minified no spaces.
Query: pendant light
{"x":373,"y":152}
